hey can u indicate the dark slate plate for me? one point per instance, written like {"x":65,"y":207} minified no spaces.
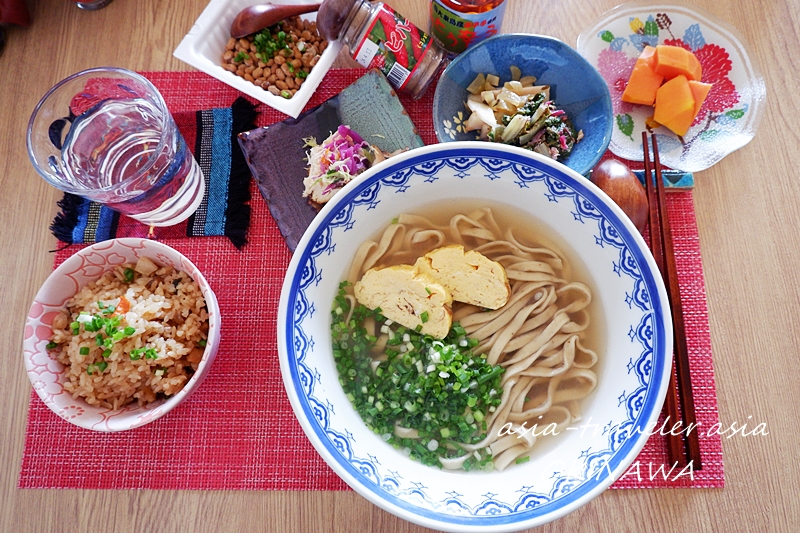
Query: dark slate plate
{"x":276,"y":154}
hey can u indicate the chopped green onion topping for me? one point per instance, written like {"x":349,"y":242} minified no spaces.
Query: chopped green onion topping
{"x":106,"y":309}
{"x":99,"y":367}
{"x":267,"y":44}
{"x":202,"y":343}
{"x":128,"y":275}
{"x":496,"y":371}
{"x":51,"y":345}
{"x":149,"y":353}
{"x":424,"y":316}
{"x":430,"y":385}
{"x":84,"y":350}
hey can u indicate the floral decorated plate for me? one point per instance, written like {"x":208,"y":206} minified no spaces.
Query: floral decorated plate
{"x":731,"y":113}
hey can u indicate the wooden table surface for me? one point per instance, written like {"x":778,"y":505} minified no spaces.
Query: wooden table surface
{"x":748,"y":211}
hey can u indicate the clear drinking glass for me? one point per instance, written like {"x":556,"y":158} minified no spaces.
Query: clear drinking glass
{"x":106,"y":134}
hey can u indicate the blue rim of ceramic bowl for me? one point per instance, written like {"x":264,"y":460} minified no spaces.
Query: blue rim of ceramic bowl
{"x":575,"y":54}
{"x":558,"y":506}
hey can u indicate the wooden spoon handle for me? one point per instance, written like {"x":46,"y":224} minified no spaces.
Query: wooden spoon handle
{"x":255,"y":18}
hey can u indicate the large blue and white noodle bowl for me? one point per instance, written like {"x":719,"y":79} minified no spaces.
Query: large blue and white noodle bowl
{"x":634,"y":364}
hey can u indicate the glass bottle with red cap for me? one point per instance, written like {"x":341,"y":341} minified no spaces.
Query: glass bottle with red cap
{"x":458,"y":24}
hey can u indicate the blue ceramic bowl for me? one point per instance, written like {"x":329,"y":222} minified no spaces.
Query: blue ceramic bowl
{"x":575,"y":86}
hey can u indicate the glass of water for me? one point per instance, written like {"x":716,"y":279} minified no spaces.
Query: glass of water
{"x":106,"y":134}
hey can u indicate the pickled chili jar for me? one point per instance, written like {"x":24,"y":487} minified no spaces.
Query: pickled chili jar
{"x":458,"y":24}
{"x":379,"y":37}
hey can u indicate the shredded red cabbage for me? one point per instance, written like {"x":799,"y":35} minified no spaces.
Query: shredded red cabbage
{"x":346,"y":148}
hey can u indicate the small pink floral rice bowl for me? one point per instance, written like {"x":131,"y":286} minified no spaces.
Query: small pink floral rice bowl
{"x":48,"y":376}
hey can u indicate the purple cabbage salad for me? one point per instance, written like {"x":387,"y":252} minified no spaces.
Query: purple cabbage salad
{"x":333,"y":163}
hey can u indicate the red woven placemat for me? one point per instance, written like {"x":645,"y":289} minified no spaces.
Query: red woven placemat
{"x":237,"y":431}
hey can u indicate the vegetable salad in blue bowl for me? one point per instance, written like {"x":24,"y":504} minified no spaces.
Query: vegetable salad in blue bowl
{"x":530,"y":91}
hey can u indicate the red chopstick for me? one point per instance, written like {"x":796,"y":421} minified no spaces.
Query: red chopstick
{"x":685,"y":446}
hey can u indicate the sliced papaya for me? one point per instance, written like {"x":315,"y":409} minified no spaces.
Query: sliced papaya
{"x":668,"y":78}
{"x":651,"y":123}
{"x":700,"y":92}
{"x":695,"y":68}
{"x":675,"y":105}
{"x":672,"y":61}
{"x":644,"y":81}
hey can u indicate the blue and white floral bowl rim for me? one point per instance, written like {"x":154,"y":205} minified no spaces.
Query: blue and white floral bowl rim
{"x":638,"y":350}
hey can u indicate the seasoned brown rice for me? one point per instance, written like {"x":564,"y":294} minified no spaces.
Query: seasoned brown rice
{"x":159,"y":339}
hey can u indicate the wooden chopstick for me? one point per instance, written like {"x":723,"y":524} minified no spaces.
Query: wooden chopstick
{"x":685,"y":446}
{"x":681,"y":351}
{"x":676,"y":453}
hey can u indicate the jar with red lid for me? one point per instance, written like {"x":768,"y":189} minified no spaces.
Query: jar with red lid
{"x":379,"y":37}
{"x":458,"y":24}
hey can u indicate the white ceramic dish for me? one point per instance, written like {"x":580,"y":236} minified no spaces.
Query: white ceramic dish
{"x":635,"y":363}
{"x":89,"y":264}
{"x":205,"y":43}
{"x":733,"y":109}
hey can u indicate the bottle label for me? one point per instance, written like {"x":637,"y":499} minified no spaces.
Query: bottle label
{"x":393,"y":45}
{"x":457,"y":31}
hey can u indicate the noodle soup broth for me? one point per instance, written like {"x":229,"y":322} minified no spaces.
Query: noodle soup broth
{"x":461,"y":221}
